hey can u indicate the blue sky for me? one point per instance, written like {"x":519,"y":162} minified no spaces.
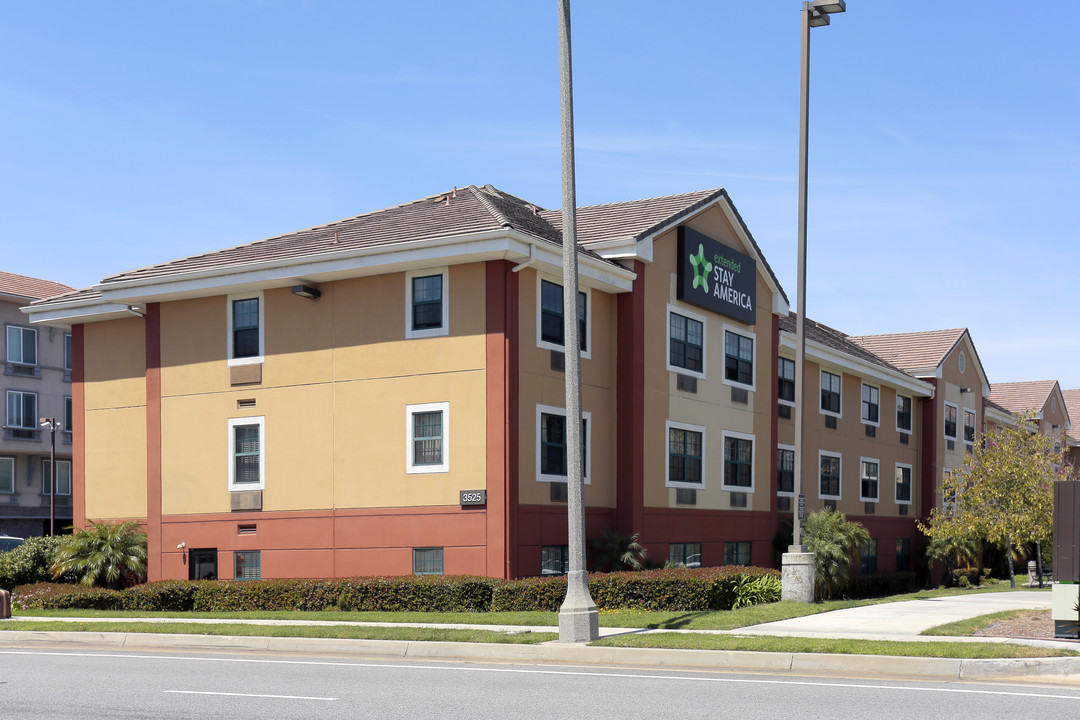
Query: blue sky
{"x":944,"y":146}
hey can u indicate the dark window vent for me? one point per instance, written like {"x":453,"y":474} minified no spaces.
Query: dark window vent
{"x":783,"y":504}
{"x":686,"y":383}
{"x":784,"y":411}
{"x":950,"y":445}
{"x":830,"y":504}
{"x":558,"y":492}
{"x":247,"y":529}
{"x":685,"y":496}
{"x":738,"y":500}
{"x":830,"y":422}
{"x":903,"y":509}
{"x":558,"y":361}
{"x":246,"y":403}
{"x":905,"y":438}
{"x":740,"y":395}
{"x":970,"y":448}
{"x":871,"y":431}
{"x":868,"y":508}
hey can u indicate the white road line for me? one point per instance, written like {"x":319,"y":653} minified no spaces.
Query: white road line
{"x":405,"y":665}
{"x":253,"y":695}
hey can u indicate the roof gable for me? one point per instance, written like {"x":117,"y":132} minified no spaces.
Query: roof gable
{"x":30,"y":288}
{"x":1018,"y":397}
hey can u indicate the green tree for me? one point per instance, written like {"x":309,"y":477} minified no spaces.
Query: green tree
{"x":1003,"y":493}
{"x":953,"y":552}
{"x":30,"y":562}
{"x":612,"y":552}
{"x":102,"y":554}
{"x":833,"y":539}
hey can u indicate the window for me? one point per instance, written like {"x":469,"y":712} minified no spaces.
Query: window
{"x":428,"y":431}
{"x":686,"y":554}
{"x":738,"y":462}
{"x":785,"y":470}
{"x":903,"y":484}
{"x":245,"y":329}
{"x":7,"y":474}
{"x":830,"y":393}
{"x":903,"y":413}
{"x":21,"y":345}
{"x":869,"y":557}
{"x":686,"y":343}
{"x":554,"y":559}
{"x":738,"y":358}
{"x":426,"y":303}
{"x":903,"y":555}
{"x":69,"y":415}
{"x":870,"y":395}
{"x":246,"y":468}
{"x":551,"y":318}
{"x":248,"y":565}
{"x":737,"y":553}
{"x":67,"y":355}
{"x":63,"y":477}
{"x":427,"y":561}
{"x":551,"y":444}
{"x":950,"y":421}
{"x":785,"y":381}
{"x":22,"y":410}
{"x":828,"y":475}
{"x":868,"y":476}
{"x":686,"y":455}
{"x":969,"y":426}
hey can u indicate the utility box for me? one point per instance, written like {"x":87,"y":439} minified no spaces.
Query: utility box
{"x":1066,"y":590}
{"x":5,"y":604}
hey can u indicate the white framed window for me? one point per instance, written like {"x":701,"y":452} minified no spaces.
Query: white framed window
{"x":785,"y":381}
{"x":903,"y":413}
{"x":427,"y":303}
{"x":830,"y":465}
{"x":549,"y":317}
{"x":950,"y":420}
{"x":738,"y":462}
{"x":969,"y":426}
{"x":686,"y":342}
{"x":246,"y":328}
{"x":903,"y":484}
{"x":551,"y":444}
{"x":7,"y":475}
{"x":21,"y":345}
{"x":22,"y":410}
{"x":685,"y":455}
{"x":870,"y":412}
{"x":428,"y":430}
{"x":739,"y":354}
{"x":247,"y":444}
{"x":869,"y":479}
{"x":67,"y":354}
{"x":63,"y":477}
{"x":785,"y":470}
{"x":830,"y":394}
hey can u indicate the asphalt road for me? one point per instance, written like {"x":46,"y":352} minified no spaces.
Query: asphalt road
{"x":47,"y":683}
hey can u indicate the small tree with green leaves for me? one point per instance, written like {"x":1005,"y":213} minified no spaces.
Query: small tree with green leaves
{"x":1003,"y":493}
{"x":612,"y":552}
{"x":833,"y":539}
{"x":102,"y":554}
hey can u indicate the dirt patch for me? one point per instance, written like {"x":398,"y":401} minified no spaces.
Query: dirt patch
{"x":1029,"y":624}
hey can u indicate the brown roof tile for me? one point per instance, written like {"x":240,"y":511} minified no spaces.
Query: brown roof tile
{"x":832,"y":338}
{"x":631,"y":219}
{"x":1019,"y":397}
{"x":30,"y":288}
{"x":913,"y":350}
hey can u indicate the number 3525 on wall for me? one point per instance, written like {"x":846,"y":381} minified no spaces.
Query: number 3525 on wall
{"x":473,"y":497}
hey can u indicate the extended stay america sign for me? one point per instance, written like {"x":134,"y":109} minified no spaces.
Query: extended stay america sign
{"x":715,"y":277}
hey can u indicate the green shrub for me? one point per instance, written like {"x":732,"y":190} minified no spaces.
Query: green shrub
{"x":58,"y":596}
{"x":30,"y":562}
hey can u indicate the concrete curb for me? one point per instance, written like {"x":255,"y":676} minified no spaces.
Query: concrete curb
{"x":795,"y":663}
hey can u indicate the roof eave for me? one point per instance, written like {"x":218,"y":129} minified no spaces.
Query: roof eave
{"x":857,"y":366}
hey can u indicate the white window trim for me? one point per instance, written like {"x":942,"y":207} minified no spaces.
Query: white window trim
{"x":960,"y":423}
{"x":779,"y":401}
{"x":840,"y":484}
{"x":68,"y":340}
{"x":877,"y":462}
{"x":822,"y":410}
{"x":411,"y":334}
{"x":754,"y":366}
{"x":668,"y":482}
{"x":37,"y":409}
{"x":7,"y":348}
{"x":256,"y":359}
{"x":704,"y":342}
{"x":911,"y":475}
{"x":45,"y":479}
{"x":724,"y":435}
{"x":11,"y":460}
{"x":444,"y":466}
{"x":911,"y":402}
{"x":587,"y":417}
{"x":779,"y":493}
{"x":958,"y":420}
{"x":861,"y":418}
{"x":546,"y":345}
{"x":259,"y":420}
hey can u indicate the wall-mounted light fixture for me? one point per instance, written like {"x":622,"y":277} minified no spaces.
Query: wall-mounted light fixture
{"x":966,"y":390}
{"x":306,"y":291}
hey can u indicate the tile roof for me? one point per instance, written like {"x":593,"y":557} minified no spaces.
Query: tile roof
{"x":1072,"y":407}
{"x":832,"y":338}
{"x":991,"y":404}
{"x":1018,"y":397}
{"x":913,"y":350}
{"x":72,"y":296}
{"x":30,"y":288}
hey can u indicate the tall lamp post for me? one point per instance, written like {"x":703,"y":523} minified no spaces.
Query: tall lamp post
{"x":53,"y":425}
{"x":798,"y":564}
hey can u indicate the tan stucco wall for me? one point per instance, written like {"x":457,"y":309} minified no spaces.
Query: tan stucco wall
{"x":115,"y":364}
{"x":116,"y":463}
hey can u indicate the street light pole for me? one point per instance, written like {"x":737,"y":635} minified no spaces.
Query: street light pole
{"x":53,"y":425}
{"x":798,"y":564}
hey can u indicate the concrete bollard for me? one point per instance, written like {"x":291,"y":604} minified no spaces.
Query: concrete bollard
{"x":797,"y":577}
{"x":5,"y":604}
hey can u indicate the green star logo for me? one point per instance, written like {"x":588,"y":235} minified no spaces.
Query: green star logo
{"x":702,"y":268}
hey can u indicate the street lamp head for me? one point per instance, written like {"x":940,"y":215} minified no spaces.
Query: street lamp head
{"x":817,"y":19}
{"x":829,"y":6}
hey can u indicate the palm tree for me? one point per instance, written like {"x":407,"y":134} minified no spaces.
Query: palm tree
{"x":102,"y":554}
{"x":613,"y":552}
{"x":953,"y":552}
{"x":833,"y":539}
